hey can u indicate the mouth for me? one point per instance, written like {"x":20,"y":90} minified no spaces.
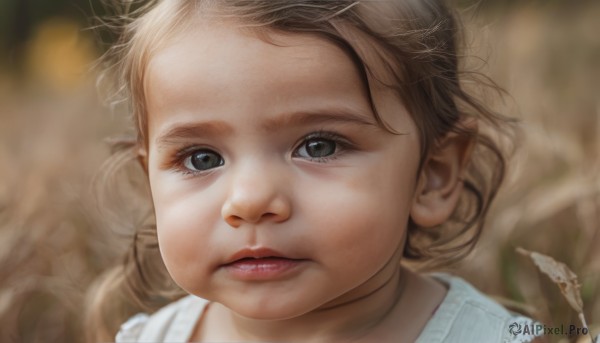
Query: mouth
{"x":261,"y":264}
{"x":256,"y":254}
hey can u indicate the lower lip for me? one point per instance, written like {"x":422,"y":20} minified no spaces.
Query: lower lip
{"x":263,"y":269}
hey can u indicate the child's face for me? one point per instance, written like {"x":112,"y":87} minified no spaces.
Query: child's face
{"x":253,"y":145}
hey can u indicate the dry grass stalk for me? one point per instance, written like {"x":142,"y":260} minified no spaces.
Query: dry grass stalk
{"x":563,"y":277}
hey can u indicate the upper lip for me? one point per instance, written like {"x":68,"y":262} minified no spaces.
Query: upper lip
{"x":259,"y":252}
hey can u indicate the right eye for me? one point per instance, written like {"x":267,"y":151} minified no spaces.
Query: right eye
{"x":201,"y":160}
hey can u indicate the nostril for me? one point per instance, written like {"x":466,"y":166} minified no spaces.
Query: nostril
{"x":233,"y":221}
{"x":236,"y":221}
{"x":269,"y":215}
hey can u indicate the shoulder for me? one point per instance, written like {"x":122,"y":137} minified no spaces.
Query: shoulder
{"x":173,"y":322}
{"x":467,"y":315}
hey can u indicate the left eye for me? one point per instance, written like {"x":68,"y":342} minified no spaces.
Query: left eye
{"x":317,"y":147}
{"x":202,"y":160}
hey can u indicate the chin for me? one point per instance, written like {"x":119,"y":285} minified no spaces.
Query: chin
{"x":268,"y":309}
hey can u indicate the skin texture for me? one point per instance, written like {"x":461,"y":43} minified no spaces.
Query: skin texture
{"x":345,"y":214}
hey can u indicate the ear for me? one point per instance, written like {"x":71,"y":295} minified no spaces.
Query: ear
{"x":142,"y":157}
{"x":440,"y":182}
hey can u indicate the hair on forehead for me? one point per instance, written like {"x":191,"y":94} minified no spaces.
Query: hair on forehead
{"x":382,"y":38}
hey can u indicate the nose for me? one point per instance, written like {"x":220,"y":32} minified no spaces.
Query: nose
{"x":256,"y":195}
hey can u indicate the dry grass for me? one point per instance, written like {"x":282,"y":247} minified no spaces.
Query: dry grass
{"x":549,"y":61}
{"x":53,"y":242}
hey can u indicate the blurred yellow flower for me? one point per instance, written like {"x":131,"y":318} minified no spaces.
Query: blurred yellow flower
{"x":59,"y":54}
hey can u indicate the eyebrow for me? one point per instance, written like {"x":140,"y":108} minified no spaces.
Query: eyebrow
{"x":317,"y":117}
{"x":182,"y":131}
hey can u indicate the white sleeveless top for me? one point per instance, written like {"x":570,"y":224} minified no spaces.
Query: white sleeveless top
{"x":465,"y":316}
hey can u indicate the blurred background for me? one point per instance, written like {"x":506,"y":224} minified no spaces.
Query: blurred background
{"x":54,"y":242}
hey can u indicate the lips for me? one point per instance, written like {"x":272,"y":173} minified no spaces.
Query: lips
{"x":256,"y":253}
{"x":261,"y":264}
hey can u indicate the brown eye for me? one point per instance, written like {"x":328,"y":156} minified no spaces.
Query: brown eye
{"x":203,"y":160}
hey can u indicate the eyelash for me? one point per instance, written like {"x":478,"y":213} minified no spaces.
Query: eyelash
{"x":342,"y":146}
{"x":179,"y":160}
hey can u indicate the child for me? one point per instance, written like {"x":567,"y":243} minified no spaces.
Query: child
{"x":297,"y":152}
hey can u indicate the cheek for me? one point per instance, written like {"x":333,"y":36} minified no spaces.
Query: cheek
{"x":184,"y":221}
{"x":361,"y":222}
{"x":180,"y":230}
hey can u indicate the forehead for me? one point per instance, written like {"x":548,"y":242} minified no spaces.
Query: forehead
{"x":222,"y":68}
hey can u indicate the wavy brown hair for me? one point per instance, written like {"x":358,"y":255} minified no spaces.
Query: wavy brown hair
{"x":410,"y":46}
